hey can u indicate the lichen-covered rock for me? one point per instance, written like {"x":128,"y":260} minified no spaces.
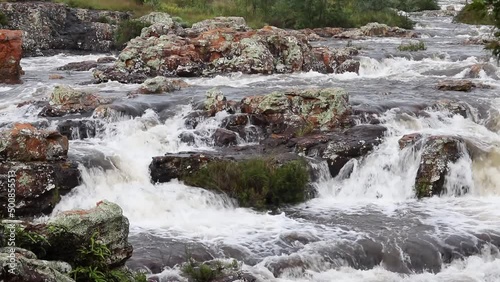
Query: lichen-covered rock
{"x":10,"y":56}
{"x":161,"y":84}
{"x":215,"y":101}
{"x":39,"y":185}
{"x":66,"y":100}
{"x":35,"y":162}
{"x":160,"y":24}
{"x":25,"y":143}
{"x":49,"y":27}
{"x":29,"y":268}
{"x":378,"y":30}
{"x":325,"y":109}
{"x":456,"y":85}
{"x":266,"y":51}
{"x":437,"y":153}
{"x":236,"y":23}
{"x":78,"y":226}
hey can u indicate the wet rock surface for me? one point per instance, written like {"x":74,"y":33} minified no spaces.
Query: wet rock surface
{"x":52,"y":26}
{"x":10,"y":56}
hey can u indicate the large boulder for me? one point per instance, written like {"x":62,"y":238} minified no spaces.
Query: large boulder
{"x":234,"y":23}
{"x":66,"y":100}
{"x":325,"y":109}
{"x":261,"y":182}
{"x":10,"y":56}
{"x":160,"y":24}
{"x":268,"y":50}
{"x":34,"y":162}
{"x":49,"y":27}
{"x":438,"y":152}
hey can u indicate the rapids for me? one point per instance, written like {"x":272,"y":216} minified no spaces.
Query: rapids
{"x":367,"y":226}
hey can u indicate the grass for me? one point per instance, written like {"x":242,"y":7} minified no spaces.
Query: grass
{"x":114,"y":5}
{"x":412,"y":46}
{"x":256,"y":183}
{"x":127,"y":30}
{"x":476,"y":13}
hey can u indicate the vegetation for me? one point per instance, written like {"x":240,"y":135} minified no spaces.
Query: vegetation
{"x":476,"y":13}
{"x":412,"y":46}
{"x":495,"y":45}
{"x":92,"y":265}
{"x":127,"y":30}
{"x":256,"y":183}
{"x":208,"y":271}
{"x":3,"y":19}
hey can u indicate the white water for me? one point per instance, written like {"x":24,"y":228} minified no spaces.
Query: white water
{"x":376,"y":202}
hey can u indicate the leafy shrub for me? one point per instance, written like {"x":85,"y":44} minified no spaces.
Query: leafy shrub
{"x":127,"y":30}
{"x":476,"y":13}
{"x":256,"y":183}
{"x":412,"y":46}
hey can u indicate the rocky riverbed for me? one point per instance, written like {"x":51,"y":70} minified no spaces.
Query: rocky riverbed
{"x":255,"y":155}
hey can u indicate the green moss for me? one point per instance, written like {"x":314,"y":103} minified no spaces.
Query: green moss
{"x":207,"y":272}
{"x":256,"y":183}
{"x":412,"y":46}
{"x":476,"y":13}
{"x":127,"y":30}
{"x":3,"y":19}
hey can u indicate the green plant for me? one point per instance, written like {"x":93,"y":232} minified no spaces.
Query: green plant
{"x":307,"y":128}
{"x":127,"y":30}
{"x":103,"y":19}
{"x":258,"y":183}
{"x":3,"y":19}
{"x":476,"y":13}
{"x":412,"y":46}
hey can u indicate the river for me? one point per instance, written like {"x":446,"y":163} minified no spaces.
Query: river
{"x":365,"y":227}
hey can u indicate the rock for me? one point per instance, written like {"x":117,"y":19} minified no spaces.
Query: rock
{"x":234,"y":23}
{"x":165,"y":168}
{"x":324,"y":109}
{"x":106,"y":60}
{"x":437,"y":153}
{"x":80,"y":129}
{"x":25,"y":143}
{"x":453,"y":107}
{"x":266,"y":51}
{"x":223,"y":137}
{"x":327,"y":31}
{"x":456,"y":85}
{"x":66,"y":100}
{"x":161,"y":84}
{"x":336,"y":61}
{"x":161,"y":24}
{"x":353,"y":143}
{"x":79,"y":66}
{"x":215,"y":102}
{"x":377,"y":30}
{"x":220,"y":271}
{"x":80,"y":225}
{"x":261,"y":182}
{"x":55,"y":76}
{"x":409,"y":140}
{"x":29,"y":268}
{"x":10,"y":56}
{"x":486,"y":68}
{"x":49,"y":27}
{"x":35,"y":162}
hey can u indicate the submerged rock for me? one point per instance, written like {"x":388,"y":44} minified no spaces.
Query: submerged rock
{"x":79,"y":66}
{"x":10,"y":56}
{"x":456,"y":85}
